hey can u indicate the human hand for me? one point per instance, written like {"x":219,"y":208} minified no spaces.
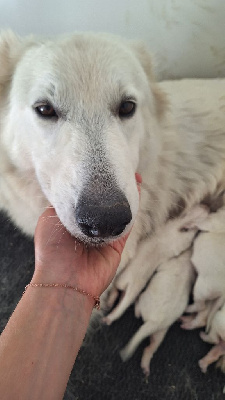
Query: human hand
{"x":61,"y":258}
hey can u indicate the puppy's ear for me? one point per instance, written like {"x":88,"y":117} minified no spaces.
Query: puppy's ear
{"x":145,"y":59}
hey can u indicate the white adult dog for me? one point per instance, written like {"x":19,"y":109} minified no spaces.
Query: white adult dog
{"x":81,"y":114}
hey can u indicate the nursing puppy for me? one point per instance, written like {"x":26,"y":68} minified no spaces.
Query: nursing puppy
{"x":81,"y":114}
{"x":160,"y":305}
{"x":208,"y":259}
{"x":172,"y":239}
{"x":216,"y":336}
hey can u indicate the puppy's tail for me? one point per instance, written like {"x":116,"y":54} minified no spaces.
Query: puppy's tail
{"x":145,"y":330}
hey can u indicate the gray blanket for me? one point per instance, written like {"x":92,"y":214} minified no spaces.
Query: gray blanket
{"x":99,"y":373}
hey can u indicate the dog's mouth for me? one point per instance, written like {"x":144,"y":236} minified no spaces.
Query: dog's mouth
{"x":96,"y":242}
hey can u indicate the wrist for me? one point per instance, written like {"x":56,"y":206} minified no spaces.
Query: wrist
{"x":77,"y":277}
{"x":64,"y":288}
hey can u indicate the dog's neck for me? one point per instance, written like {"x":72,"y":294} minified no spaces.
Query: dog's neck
{"x":184,"y":175}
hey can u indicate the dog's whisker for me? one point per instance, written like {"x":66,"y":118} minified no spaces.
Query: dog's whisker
{"x":75,"y":245}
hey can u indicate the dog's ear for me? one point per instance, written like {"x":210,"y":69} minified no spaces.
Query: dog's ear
{"x":145,"y":59}
{"x":10,"y":46}
{"x":11,"y":49}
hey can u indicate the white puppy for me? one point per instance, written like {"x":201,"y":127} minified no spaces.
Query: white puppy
{"x":161,"y":304}
{"x":208,"y":259}
{"x":216,"y":336}
{"x":169,"y":241}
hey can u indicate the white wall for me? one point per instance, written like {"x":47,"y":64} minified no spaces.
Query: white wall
{"x":187,"y":36}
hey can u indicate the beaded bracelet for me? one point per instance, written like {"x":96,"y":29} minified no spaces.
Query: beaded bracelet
{"x":96,"y":298}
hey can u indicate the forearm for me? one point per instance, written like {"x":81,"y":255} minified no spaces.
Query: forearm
{"x":40,"y":343}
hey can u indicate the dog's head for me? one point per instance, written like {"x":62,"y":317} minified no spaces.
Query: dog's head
{"x":78,"y":111}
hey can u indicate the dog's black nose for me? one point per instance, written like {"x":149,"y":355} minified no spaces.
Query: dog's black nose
{"x":101,"y":218}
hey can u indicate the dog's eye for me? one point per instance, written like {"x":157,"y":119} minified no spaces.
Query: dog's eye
{"x":45,"y":110}
{"x":127,"y":109}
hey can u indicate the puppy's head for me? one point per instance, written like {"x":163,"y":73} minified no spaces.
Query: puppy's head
{"x":79,"y":110}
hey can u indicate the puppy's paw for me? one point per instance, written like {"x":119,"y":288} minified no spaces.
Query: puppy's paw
{"x":203,"y":365}
{"x":146,"y":370}
{"x":112,"y":297}
{"x":187,"y":322}
{"x":106,"y":320}
{"x":221,"y":364}
{"x":124,"y":354}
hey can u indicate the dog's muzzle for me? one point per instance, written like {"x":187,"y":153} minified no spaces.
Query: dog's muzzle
{"x":103,"y":216}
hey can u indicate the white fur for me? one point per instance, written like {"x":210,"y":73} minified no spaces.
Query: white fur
{"x":208,"y":259}
{"x":161,"y":304}
{"x":199,"y":314}
{"x":216,"y":336}
{"x":179,"y":149}
{"x":175,"y":139}
{"x":169,"y":241}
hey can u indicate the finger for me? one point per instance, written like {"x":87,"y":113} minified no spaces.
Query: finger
{"x":49,"y":212}
{"x":138,"y":178}
{"x":139,"y":182}
{"x":119,"y":244}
